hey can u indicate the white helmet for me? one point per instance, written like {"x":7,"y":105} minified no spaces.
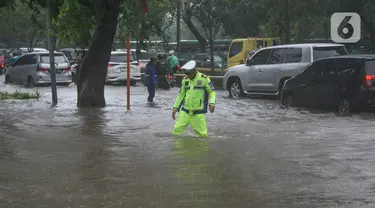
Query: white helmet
{"x":171,"y":52}
{"x":189,"y":66}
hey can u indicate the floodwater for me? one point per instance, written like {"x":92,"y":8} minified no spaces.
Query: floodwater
{"x":258,"y":155}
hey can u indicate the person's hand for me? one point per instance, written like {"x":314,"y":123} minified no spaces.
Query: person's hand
{"x":212,"y":108}
{"x":174,"y":114}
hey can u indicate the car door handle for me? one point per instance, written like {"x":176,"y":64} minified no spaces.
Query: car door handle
{"x":260,"y":70}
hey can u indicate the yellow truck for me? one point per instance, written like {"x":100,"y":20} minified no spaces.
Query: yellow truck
{"x":240,"y":48}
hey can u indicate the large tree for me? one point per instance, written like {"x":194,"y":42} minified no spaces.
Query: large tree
{"x":23,"y":25}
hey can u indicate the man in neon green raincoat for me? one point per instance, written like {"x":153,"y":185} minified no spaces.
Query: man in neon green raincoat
{"x":196,"y":94}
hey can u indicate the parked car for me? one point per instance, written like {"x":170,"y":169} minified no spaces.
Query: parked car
{"x":33,"y":68}
{"x":26,"y":50}
{"x":117,"y":68}
{"x":143,"y":58}
{"x":204,"y":61}
{"x":266,"y":71}
{"x":344,"y":83}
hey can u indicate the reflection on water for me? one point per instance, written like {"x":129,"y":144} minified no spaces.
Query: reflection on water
{"x":194,"y":173}
{"x":94,"y":165}
{"x":259,"y":156}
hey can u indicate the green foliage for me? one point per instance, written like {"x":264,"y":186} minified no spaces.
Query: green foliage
{"x":18,"y":95}
{"x":209,"y":14}
{"x":142,"y":26}
{"x":74,"y":24}
{"x":23,"y":24}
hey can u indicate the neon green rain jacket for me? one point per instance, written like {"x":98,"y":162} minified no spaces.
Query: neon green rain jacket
{"x":195,"y":95}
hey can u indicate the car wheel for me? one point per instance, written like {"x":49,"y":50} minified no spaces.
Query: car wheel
{"x":287,"y":100}
{"x":344,"y":107}
{"x":8,"y":80}
{"x":235,"y":90}
{"x":30,"y":81}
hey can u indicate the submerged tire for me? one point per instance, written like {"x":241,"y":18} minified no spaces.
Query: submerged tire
{"x":344,"y":107}
{"x":287,"y":100}
{"x":235,"y":89}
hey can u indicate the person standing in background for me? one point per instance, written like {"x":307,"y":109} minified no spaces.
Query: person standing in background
{"x":151,"y":81}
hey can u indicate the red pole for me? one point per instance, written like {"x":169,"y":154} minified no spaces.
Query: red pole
{"x":128,"y":76}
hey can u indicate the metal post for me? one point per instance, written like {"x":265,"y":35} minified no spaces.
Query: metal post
{"x":128,"y":75}
{"x":51,"y":52}
{"x":178,"y":26}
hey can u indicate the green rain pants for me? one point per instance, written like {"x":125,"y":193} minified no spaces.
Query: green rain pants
{"x":197,"y":121}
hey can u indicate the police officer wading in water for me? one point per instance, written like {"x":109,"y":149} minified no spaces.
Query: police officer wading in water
{"x":196,"y":94}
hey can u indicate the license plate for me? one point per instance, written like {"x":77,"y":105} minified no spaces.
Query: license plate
{"x":59,"y":71}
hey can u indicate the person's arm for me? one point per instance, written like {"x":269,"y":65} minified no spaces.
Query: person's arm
{"x":211,"y":91}
{"x":180,"y":97}
{"x":153,"y":75}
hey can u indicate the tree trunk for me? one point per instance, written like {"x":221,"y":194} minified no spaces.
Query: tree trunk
{"x":93,"y":70}
{"x":202,"y":41}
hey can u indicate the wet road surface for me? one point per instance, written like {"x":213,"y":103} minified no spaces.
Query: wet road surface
{"x":257,"y":155}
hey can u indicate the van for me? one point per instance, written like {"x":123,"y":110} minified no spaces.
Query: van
{"x":239,"y":48}
{"x":343,"y":83}
{"x":34,"y":68}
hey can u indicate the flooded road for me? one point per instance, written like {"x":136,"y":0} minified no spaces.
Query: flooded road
{"x":257,"y":155}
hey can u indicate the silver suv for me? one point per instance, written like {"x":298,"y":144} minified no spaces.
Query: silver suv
{"x":266,"y":71}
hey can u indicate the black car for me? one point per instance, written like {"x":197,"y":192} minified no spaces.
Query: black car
{"x":343,"y":83}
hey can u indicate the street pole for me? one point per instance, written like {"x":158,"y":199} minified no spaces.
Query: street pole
{"x":51,"y":52}
{"x":128,"y":75}
{"x":178,"y":26}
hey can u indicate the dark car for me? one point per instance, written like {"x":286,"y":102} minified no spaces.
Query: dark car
{"x":204,"y":61}
{"x":343,"y":83}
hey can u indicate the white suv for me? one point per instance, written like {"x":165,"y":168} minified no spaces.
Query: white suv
{"x":117,"y":68}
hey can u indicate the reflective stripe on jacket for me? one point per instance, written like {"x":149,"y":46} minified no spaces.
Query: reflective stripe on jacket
{"x":195,"y":95}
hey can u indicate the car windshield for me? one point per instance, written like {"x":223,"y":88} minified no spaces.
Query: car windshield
{"x":59,"y":59}
{"x":324,"y":52}
{"x":120,"y":57}
{"x":68,"y":54}
{"x":304,"y":69}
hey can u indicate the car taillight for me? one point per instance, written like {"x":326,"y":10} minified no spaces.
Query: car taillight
{"x":169,"y":76}
{"x":368,"y":80}
{"x":67,"y":69}
{"x":109,"y":65}
{"x":43,"y":69}
{"x":178,"y":67}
